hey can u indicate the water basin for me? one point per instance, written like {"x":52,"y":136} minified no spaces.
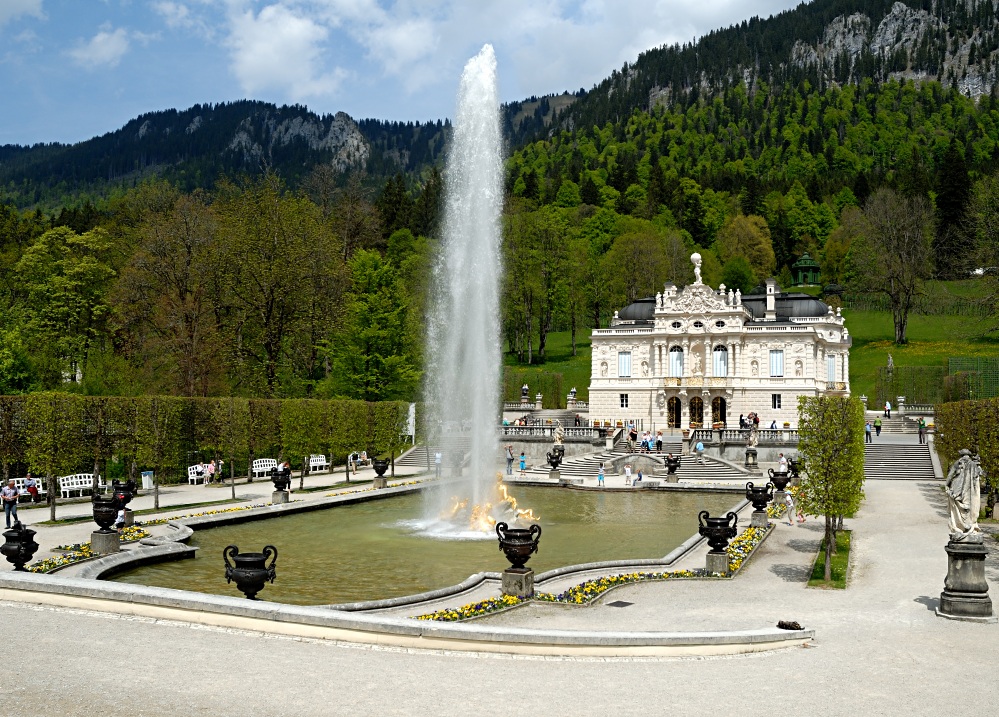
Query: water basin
{"x":376,"y":549}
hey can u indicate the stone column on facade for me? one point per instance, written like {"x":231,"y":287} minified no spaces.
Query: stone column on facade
{"x":846,"y":366}
{"x":685,"y":368}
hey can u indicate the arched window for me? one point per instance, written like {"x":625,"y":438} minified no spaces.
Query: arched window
{"x":676,"y":362}
{"x":673,"y":412}
{"x":721,"y":362}
{"x":697,"y":410}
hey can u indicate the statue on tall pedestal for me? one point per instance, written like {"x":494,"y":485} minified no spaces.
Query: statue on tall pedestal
{"x":964,"y":496}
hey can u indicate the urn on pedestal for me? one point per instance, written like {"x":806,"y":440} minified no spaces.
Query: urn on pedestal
{"x":759,"y":496}
{"x":19,"y":545}
{"x":250,"y":571}
{"x":718,"y":531}
{"x":380,"y":465}
{"x":518,"y":544}
{"x":780,"y":479}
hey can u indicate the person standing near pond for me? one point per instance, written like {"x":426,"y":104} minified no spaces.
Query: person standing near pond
{"x":523,"y":465}
{"x":9,"y":495}
{"x":600,"y":475}
{"x":509,"y":459}
{"x":437,"y":463}
{"x":877,"y":426}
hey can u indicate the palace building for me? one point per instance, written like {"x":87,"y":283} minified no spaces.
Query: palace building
{"x":697,"y":356}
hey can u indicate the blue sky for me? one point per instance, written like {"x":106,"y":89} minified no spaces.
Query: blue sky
{"x":73,"y":69}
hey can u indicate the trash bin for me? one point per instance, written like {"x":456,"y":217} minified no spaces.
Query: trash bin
{"x":147,"y":480}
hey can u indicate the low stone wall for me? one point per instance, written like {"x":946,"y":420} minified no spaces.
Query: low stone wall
{"x":535,"y":448}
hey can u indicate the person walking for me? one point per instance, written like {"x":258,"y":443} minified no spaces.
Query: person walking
{"x":877,"y":426}
{"x":9,"y":495}
{"x":699,"y":449}
{"x":887,"y":409}
{"x":509,"y":459}
{"x":922,"y":430}
{"x":791,"y":510}
{"x":437,"y":463}
{"x":600,"y":475}
{"x":867,"y":432}
{"x":781,"y":464}
{"x":523,"y":465}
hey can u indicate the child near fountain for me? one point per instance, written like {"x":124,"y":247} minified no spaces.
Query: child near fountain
{"x":523,"y":465}
{"x":627,"y":474}
{"x":600,"y":475}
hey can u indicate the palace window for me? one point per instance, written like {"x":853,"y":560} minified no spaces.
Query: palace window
{"x":831,"y":369}
{"x":698,"y":325}
{"x":624,"y":364}
{"x":775,"y":400}
{"x":624,"y":400}
{"x":721,"y":362}
{"x":676,"y":362}
{"x":676,"y":324}
{"x":777,"y":363}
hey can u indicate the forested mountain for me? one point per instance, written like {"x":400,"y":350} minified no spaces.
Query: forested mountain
{"x":863,"y":133}
{"x":824,"y":42}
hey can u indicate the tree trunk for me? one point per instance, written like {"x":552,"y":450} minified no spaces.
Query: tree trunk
{"x":156,"y":488}
{"x":249,"y":468}
{"x":305,"y":472}
{"x":52,"y":496}
{"x":232,"y":476}
{"x":829,"y":543}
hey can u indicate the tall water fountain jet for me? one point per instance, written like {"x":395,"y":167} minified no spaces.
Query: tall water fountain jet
{"x":463,"y":342}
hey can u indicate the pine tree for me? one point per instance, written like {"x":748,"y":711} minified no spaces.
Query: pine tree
{"x":953,"y":242}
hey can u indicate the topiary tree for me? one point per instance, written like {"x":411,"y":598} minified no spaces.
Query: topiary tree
{"x":158,"y":426}
{"x":301,"y":432}
{"x":388,"y":424}
{"x":55,"y":430}
{"x":231,"y":419}
{"x":13,"y":432}
{"x":831,"y":441}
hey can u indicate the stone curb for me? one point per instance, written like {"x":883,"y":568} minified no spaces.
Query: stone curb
{"x":163,"y":603}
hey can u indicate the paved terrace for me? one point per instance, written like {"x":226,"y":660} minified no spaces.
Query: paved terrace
{"x":879,"y":648}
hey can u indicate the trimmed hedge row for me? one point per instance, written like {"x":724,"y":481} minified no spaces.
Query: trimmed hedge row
{"x":59,"y":433}
{"x":973,"y":425}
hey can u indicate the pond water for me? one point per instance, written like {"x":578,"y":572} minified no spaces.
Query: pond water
{"x":374,"y":550}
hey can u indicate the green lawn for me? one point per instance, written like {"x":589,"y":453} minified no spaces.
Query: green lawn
{"x":575,"y":370}
{"x":932,"y":340}
{"x":839,"y":563}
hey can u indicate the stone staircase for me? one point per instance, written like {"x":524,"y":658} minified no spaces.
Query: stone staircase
{"x":895,"y":424}
{"x":422,"y":456}
{"x":898,"y":461}
{"x":587,"y":466}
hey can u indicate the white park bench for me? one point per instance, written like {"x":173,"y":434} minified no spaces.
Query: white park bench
{"x":79,"y":482}
{"x":318,"y":463}
{"x":195,"y":474}
{"x":262,"y":467}
{"x":22,"y":491}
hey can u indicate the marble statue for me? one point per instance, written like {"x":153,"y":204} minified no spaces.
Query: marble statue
{"x":891,"y":364}
{"x":696,"y":368}
{"x":696,"y":258}
{"x":964,"y":496}
{"x":754,"y":437}
{"x":559,"y":432}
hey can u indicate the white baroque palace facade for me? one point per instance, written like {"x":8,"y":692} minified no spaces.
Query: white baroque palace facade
{"x":700,"y":356}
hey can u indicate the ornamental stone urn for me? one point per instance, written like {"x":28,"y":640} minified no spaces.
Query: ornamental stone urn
{"x":518,"y":544}
{"x":125,"y":492}
{"x":250,"y":572}
{"x":19,"y":546}
{"x":380,"y":465}
{"x":105,"y":540}
{"x":796,"y":465}
{"x":759,"y":496}
{"x":780,"y":479}
{"x":718,"y":531}
{"x":281,"y":479}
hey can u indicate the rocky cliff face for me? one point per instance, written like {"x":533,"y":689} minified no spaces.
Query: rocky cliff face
{"x":908,"y":43}
{"x":260,"y":134}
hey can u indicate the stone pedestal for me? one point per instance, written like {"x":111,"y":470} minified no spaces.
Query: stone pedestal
{"x":751,"y":459}
{"x":379,"y":482}
{"x":717,"y":563}
{"x":518,"y":582}
{"x":555,"y":475}
{"x":129,"y":517}
{"x":537,"y":402}
{"x":609,"y":443}
{"x":758,"y":519}
{"x":966,"y":593}
{"x":105,"y":543}
{"x":278,"y":497}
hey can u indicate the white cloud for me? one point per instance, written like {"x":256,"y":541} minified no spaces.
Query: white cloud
{"x":105,"y":49}
{"x":10,"y":9}
{"x":280,"y":49}
{"x":180,"y":16}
